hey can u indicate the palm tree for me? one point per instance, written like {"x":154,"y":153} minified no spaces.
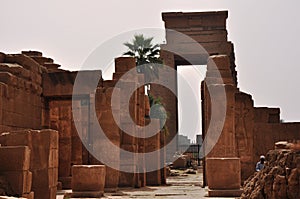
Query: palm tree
{"x":147,"y":56}
{"x":148,"y":61}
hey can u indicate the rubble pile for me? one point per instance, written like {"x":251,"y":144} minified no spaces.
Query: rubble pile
{"x":280,"y":177}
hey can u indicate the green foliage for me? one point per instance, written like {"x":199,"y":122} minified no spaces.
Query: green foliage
{"x":147,"y":56}
{"x":148,"y":61}
{"x":157,"y":111}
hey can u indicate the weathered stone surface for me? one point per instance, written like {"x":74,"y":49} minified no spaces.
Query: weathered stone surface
{"x":124,"y":64}
{"x":43,"y":182}
{"x":267,"y":134}
{"x":56,"y":84}
{"x":223,"y":100}
{"x":8,"y":78}
{"x":244,"y":127}
{"x":28,"y":195}
{"x":180,"y":163}
{"x":2,"y":57}
{"x":32,"y":53}
{"x":224,"y":193}
{"x":198,"y":36}
{"x":66,"y":182}
{"x":43,"y":160}
{"x":218,"y":62}
{"x":24,"y":61}
{"x":88,"y":178}
{"x":15,"y":69}
{"x":279,"y":178}
{"x":41,"y":144}
{"x":152,"y":144}
{"x":224,"y":173}
{"x":83,"y":194}
{"x":42,"y":60}
{"x":5,"y":188}
{"x":65,"y":151}
{"x":203,"y":20}
{"x":61,"y":83}
{"x":20,"y":181}
{"x":111,"y":178}
{"x":51,"y":66}
{"x":185,"y":49}
{"x":128,"y":179}
{"x":267,"y":115}
{"x":20,"y":160}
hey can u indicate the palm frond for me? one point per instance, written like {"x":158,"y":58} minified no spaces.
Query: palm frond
{"x":130,"y":53}
{"x":145,"y":52}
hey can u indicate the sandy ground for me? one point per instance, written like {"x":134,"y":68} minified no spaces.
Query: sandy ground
{"x":183,"y":186}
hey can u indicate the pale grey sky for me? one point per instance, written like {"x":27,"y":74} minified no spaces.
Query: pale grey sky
{"x":265,"y":34}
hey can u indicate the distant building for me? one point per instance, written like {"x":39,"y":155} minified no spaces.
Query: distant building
{"x":199,"y":139}
{"x":183,"y":140}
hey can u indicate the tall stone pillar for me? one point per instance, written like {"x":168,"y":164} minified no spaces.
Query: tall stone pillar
{"x":128,"y":161}
{"x":223,"y":171}
{"x":153,"y":145}
{"x":169,"y":101}
{"x":140,"y":119}
{"x":111,"y":130}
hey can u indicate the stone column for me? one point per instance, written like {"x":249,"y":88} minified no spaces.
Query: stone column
{"x":140,"y":128}
{"x":222,"y":164}
{"x":169,"y":101}
{"x":128,"y":161}
{"x":129,"y":142}
{"x":153,"y":145}
{"x":104,"y":111}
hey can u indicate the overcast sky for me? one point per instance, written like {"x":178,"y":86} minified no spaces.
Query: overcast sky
{"x":265,"y":35}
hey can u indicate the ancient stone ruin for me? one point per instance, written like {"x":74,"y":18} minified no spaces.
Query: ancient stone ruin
{"x":248,"y":131}
{"x":36,"y":94}
{"x":280,"y":178}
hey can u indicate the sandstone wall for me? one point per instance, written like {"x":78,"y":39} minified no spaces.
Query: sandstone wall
{"x":58,"y":89}
{"x":266,"y":134}
{"x":257,"y":129}
{"x":21,"y":88}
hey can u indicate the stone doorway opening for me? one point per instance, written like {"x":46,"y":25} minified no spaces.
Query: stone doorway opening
{"x":189,"y":141}
{"x":193,"y":75}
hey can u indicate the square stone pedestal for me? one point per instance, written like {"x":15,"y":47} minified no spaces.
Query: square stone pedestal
{"x":223,"y":177}
{"x":88,"y":180}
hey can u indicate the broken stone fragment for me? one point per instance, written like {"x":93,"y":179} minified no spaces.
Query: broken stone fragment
{"x":279,"y":178}
{"x":281,"y":145}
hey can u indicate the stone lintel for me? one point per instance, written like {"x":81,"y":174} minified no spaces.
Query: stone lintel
{"x":180,"y":21}
{"x":165,"y":15}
